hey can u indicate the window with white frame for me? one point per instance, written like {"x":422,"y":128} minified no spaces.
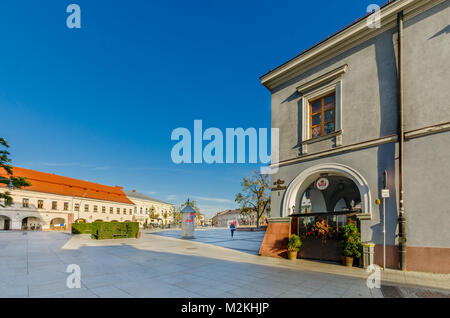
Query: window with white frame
{"x":322,"y":106}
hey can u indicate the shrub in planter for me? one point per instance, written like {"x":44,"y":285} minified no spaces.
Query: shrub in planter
{"x":293,"y":246}
{"x":352,"y":243}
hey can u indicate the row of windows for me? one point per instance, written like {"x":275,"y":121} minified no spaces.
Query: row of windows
{"x":141,"y":210}
{"x":103,"y":209}
{"x":40,"y":205}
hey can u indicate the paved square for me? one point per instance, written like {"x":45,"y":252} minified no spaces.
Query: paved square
{"x":33,"y":264}
{"x":243,"y":241}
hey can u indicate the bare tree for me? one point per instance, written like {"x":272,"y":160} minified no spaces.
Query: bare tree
{"x":255,"y":195}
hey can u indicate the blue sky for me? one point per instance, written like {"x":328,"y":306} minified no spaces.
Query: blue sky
{"x":99,"y":103}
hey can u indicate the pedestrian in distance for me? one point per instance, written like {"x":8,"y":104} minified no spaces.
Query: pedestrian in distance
{"x":232,"y":229}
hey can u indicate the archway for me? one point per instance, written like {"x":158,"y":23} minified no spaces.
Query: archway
{"x":5,"y":222}
{"x":320,"y":201}
{"x":293,"y":196}
{"x":32,"y":223}
{"x":80,"y":221}
{"x":57,"y":224}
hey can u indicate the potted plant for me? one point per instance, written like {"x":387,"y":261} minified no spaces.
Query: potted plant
{"x":352,"y":243}
{"x":294,"y":245}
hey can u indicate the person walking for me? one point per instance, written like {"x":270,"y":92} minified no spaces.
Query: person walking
{"x":232,"y":229}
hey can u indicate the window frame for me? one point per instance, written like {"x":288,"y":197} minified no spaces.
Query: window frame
{"x":40,"y":204}
{"x":54,"y":205}
{"x":334,"y":87}
{"x":25,"y":203}
{"x":333,"y":84}
{"x":322,"y":115}
{"x":313,"y":90}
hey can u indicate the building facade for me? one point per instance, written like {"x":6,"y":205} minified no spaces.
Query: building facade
{"x":148,"y":210}
{"x":367,"y":109}
{"x":225,"y":218}
{"x":54,"y":202}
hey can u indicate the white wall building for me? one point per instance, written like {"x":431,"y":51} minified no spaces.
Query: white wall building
{"x":54,"y":202}
{"x":162,"y":211}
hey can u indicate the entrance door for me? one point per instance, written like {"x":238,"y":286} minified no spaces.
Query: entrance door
{"x":5,"y":222}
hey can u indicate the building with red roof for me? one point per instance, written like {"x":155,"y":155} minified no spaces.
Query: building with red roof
{"x":54,"y":202}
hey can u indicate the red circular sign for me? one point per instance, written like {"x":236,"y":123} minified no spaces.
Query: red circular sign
{"x":322,"y":183}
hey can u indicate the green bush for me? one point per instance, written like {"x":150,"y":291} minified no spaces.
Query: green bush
{"x":81,"y":228}
{"x":294,"y":243}
{"x":132,"y":229}
{"x":351,"y":240}
{"x":107,"y":230}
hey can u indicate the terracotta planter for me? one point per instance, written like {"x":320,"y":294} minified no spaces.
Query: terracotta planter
{"x":292,"y":255}
{"x":347,"y":261}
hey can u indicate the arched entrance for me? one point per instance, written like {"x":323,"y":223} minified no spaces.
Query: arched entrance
{"x":321,"y":200}
{"x":303,"y":181}
{"x":5,"y":222}
{"x":80,"y":221}
{"x":32,"y":223}
{"x":57,"y":224}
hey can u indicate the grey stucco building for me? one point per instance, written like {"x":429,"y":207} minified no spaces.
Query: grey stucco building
{"x":359,"y":103}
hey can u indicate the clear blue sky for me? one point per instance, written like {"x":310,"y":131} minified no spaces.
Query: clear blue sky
{"x":99,"y":103}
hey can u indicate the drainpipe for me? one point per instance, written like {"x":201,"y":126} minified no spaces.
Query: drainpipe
{"x":401,"y":138}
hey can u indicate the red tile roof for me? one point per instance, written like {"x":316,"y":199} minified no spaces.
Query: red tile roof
{"x":52,"y":183}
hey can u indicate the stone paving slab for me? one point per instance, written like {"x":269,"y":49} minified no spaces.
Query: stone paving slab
{"x":161,"y":266}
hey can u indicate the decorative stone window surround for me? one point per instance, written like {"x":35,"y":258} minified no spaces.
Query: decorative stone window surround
{"x":314,"y":89}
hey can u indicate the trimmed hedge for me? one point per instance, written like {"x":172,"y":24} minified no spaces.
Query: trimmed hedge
{"x":107,"y":230}
{"x":81,"y":228}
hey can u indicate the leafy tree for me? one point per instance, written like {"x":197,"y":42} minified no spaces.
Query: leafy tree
{"x":255,"y":195}
{"x":152,"y":212}
{"x":177,"y":215}
{"x":9,"y":179}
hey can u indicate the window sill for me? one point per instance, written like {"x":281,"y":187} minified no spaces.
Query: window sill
{"x":317,"y":139}
{"x":336,"y":134}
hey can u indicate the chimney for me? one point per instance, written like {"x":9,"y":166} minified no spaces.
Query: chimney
{"x":134,"y":191}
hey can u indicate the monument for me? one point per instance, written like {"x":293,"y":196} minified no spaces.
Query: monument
{"x":187,"y":221}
